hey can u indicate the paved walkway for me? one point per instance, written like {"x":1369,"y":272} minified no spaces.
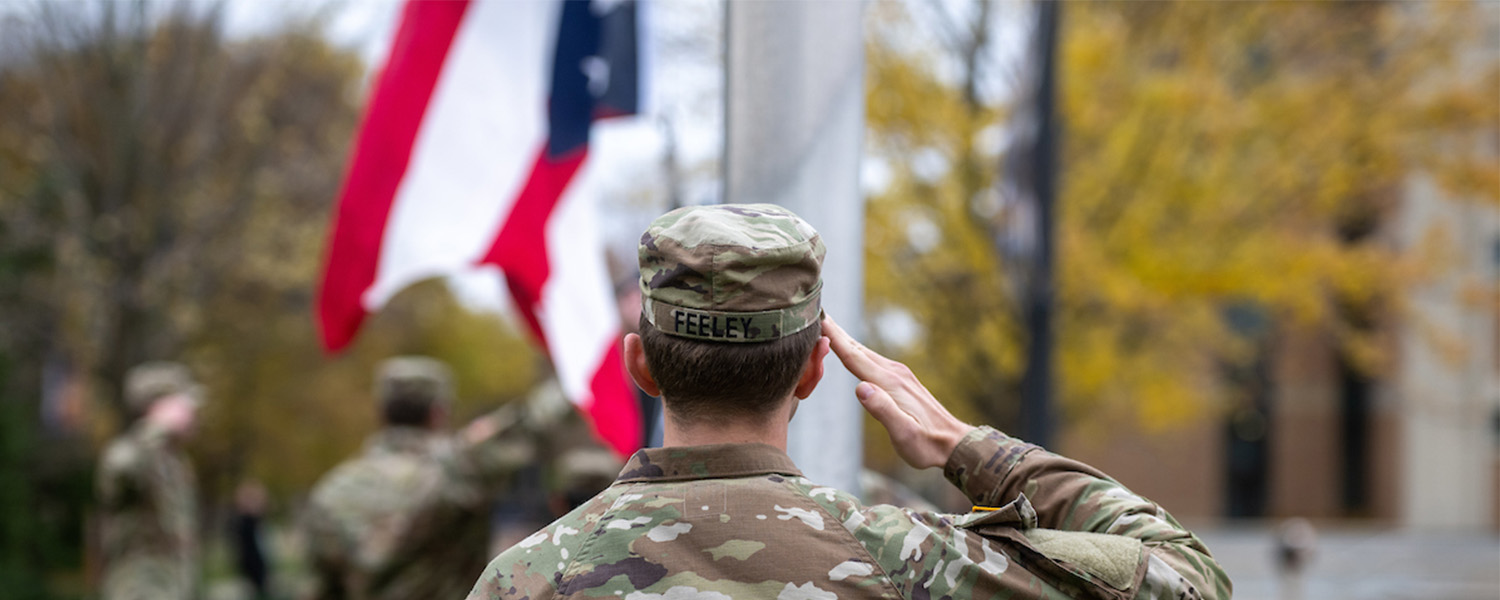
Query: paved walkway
{"x":1365,"y":564}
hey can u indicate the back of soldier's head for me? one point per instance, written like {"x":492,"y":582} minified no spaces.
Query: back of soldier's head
{"x":730,"y":307}
{"x":151,"y":381}
{"x":409,"y":388}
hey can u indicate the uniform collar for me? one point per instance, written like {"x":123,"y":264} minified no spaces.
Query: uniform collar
{"x":715,"y":461}
{"x":400,"y":440}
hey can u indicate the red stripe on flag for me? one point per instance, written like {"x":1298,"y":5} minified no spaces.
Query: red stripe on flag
{"x":615,"y":411}
{"x":520,"y":249}
{"x":381,"y":155}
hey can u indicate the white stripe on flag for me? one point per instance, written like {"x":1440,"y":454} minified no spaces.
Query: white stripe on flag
{"x":579,"y":321}
{"x":486,"y":119}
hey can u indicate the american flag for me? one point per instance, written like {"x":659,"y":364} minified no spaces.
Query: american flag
{"x":474,"y":136}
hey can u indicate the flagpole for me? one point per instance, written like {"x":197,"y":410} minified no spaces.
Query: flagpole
{"x":794,"y":120}
{"x":1037,"y":420}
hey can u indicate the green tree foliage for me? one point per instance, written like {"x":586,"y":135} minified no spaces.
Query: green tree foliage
{"x":1215,"y":155}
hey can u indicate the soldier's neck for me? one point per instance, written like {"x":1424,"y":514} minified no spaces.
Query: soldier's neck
{"x":771,"y":431}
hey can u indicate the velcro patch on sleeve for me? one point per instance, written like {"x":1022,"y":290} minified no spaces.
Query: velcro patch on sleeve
{"x":1111,"y":558}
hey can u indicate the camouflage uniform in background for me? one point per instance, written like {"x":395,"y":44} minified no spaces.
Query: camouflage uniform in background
{"x":548,"y":487}
{"x":148,"y":500}
{"x":565,"y":441}
{"x":580,"y":474}
{"x":409,"y":517}
{"x":725,"y":521}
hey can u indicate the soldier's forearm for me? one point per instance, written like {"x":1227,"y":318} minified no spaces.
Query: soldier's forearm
{"x":493,"y":424}
{"x":489,"y":449}
{"x":981,"y":465}
{"x":992,"y":469}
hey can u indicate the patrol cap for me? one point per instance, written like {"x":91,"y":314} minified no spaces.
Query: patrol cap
{"x":147,"y":382}
{"x":407,"y":376}
{"x":731,"y":273}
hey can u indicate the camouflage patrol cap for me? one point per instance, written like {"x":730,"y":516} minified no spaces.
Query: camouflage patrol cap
{"x":407,"y":376}
{"x":731,"y":273}
{"x":147,"y":382}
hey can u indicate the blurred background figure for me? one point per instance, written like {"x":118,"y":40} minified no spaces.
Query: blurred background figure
{"x":408,"y":517}
{"x":248,"y":540}
{"x":147,"y":495}
{"x":570,"y":461}
{"x":879,"y":488}
{"x":581,"y":473}
{"x":1296,"y":544}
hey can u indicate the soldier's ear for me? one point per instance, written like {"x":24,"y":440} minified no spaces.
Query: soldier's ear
{"x":812,"y":372}
{"x":635,"y":363}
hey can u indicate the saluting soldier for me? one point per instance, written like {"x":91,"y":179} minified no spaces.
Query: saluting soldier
{"x":409,"y":517}
{"x":147,"y":493}
{"x":731,"y":338}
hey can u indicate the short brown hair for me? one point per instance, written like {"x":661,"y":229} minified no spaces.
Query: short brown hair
{"x":702,"y":379}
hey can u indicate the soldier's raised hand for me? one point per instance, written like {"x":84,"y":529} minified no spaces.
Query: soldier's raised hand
{"x":922,"y":430}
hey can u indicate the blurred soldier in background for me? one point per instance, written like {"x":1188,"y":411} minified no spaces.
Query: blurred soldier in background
{"x":409,"y":516}
{"x":147,"y":494}
{"x":560,"y":435}
{"x":878,"y":488}
{"x":246,"y":537}
{"x":522,"y":509}
{"x":580,"y":474}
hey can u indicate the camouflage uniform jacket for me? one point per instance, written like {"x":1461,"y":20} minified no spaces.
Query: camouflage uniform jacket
{"x":739,"y":521}
{"x":409,"y":518}
{"x":149,"y":518}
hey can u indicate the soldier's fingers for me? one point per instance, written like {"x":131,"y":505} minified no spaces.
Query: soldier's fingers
{"x":854,"y":355}
{"x":858,"y":350}
{"x":875,"y":357}
{"x":883,"y":407}
{"x":914,"y":441}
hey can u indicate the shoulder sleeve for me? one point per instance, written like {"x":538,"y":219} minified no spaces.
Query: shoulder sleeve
{"x":992,"y":468}
{"x":327,"y":532}
{"x":525,"y":570}
{"x":325,"y":539}
{"x":121,"y":477}
{"x":919,"y":554}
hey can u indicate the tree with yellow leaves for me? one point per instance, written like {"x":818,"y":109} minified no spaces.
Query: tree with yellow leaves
{"x":1216,"y":157}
